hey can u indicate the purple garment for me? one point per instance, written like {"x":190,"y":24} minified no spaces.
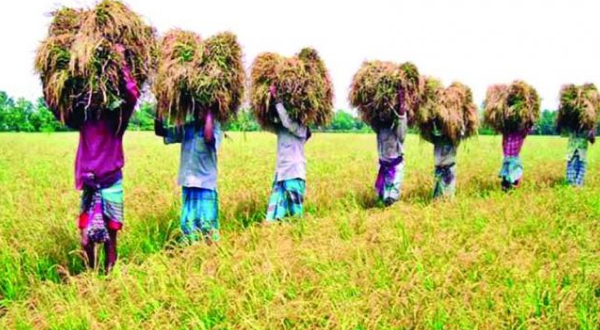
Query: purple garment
{"x":512,"y":143}
{"x":100,"y":154}
{"x":387,"y":171}
{"x":100,"y":157}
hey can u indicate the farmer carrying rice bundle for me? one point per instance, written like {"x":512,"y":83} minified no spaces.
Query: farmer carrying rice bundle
{"x":199,"y":86}
{"x":386,"y":95}
{"x":512,"y":110}
{"x":91,"y":66}
{"x":578,"y":117}
{"x":287,"y":95}
{"x":445,"y":117}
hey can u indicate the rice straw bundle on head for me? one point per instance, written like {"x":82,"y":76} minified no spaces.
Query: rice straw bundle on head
{"x":93,"y":77}
{"x":512,"y":108}
{"x":426,"y":116}
{"x":412,"y":84}
{"x":375,"y":91}
{"x":579,"y":108}
{"x":302,"y":82}
{"x":470,"y":117}
{"x":180,"y":55}
{"x":321,"y":84}
{"x":293,"y":86}
{"x":65,"y":21}
{"x":222,"y":76}
{"x":263,"y":75}
{"x":53,"y":58}
{"x":449,"y":112}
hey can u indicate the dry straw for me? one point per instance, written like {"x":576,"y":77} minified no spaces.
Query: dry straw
{"x":376,"y":88}
{"x":579,"y":108}
{"x":511,"y":108}
{"x":180,"y":53}
{"x":78,"y":64}
{"x":302,"y":82}
{"x":195,"y":76}
{"x":446,"y":112}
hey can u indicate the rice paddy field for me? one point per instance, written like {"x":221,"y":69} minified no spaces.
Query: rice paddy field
{"x":487,"y":260}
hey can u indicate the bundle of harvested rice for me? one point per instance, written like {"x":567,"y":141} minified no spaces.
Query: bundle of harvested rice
{"x":53,"y":58}
{"x":222,"y":79}
{"x":511,"y":108}
{"x":195,"y":76}
{"x":302,"y":82}
{"x":470,"y":114}
{"x":294,"y":87}
{"x":87,"y":40}
{"x":413,"y":85}
{"x":321,"y":82}
{"x":263,"y":75}
{"x":426,"y":116}
{"x":376,"y":88}
{"x":177,"y":74}
{"x":579,"y":108}
{"x":449,"y":112}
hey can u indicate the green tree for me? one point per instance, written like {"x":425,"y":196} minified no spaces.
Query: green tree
{"x":6,"y":105}
{"x":143,"y":118}
{"x":43,"y":120}
{"x":546,"y":125}
{"x":17,"y":118}
{"x":243,"y":122}
{"x":343,"y":121}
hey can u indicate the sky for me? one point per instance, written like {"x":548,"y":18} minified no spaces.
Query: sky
{"x":479,"y":42}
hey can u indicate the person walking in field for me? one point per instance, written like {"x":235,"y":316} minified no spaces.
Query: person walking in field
{"x":578,"y":117}
{"x":512,"y":110}
{"x":511,"y":172}
{"x":445,"y":117}
{"x":577,"y":156}
{"x":390,"y":143}
{"x":289,"y":186}
{"x":198,"y":171}
{"x":444,"y":157}
{"x":98,"y":170}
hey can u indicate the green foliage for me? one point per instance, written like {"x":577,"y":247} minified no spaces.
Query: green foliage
{"x":346,"y":122}
{"x":24,"y":116}
{"x":547,"y":123}
{"x":243,"y":122}
{"x":143,"y":118}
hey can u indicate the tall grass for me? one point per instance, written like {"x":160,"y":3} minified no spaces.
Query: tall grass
{"x":488,"y":260}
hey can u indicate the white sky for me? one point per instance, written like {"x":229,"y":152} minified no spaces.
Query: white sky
{"x":479,"y":42}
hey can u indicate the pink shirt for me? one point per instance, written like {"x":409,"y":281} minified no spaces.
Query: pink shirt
{"x":100,"y":158}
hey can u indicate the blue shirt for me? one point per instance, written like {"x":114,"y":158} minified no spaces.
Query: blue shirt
{"x":390,"y":140}
{"x":291,"y":163}
{"x":198,"y":167}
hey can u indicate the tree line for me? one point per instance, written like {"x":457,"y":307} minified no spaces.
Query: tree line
{"x":22,"y":115}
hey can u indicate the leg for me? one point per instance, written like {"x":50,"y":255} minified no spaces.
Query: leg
{"x":451,"y":181}
{"x":208,"y":215}
{"x":445,"y":185}
{"x":438,"y":178}
{"x":571,"y":172}
{"x":294,"y":192}
{"x":110,"y":251}
{"x":188,"y":215}
{"x":90,"y":254}
{"x":276,"y":206}
{"x":393,"y":186}
{"x":581,"y":169}
{"x":506,"y":185}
